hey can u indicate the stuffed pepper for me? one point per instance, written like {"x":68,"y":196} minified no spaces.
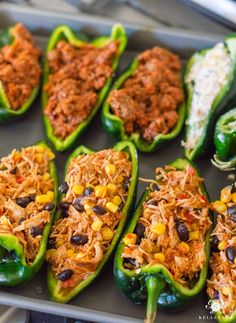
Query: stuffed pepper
{"x":77,"y":77}
{"x":221,"y":287}
{"x":209,"y":80}
{"x":19,"y":71}
{"x":163,"y":257}
{"x":98,"y":193}
{"x":27,"y":202}
{"x":146,"y":103}
{"x":225,"y":141}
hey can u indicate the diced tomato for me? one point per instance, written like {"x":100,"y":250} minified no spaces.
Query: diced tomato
{"x":1,"y":212}
{"x":189,"y":217}
{"x":19,"y":179}
{"x":183,"y":196}
{"x":68,"y":283}
{"x":203,"y":197}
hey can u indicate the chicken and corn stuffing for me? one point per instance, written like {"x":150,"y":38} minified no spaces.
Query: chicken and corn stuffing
{"x":95,"y":191}
{"x":222,"y":283}
{"x":172,"y":227}
{"x":26,"y":196}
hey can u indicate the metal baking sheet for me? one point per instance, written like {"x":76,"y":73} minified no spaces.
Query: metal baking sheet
{"x":102,"y":301}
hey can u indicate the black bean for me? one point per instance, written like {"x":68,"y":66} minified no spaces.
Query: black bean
{"x":129,"y":263}
{"x":231,"y":253}
{"x":32,"y":197}
{"x":182,"y":231}
{"x":233,"y":188}
{"x":48,"y":206}
{"x":64,"y":205}
{"x":87,"y":191}
{"x":216,"y":294}
{"x":63,"y":188}
{"x":154,"y":187}
{"x":232,"y":212}
{"x":126,"y":184}
{"x":79,"y":207}
{"x":22,"y":201}
{"x":98,"y":209}
{"x":139,"y":230}
{"x":64,"y":214}
{"x":152,"y":202}
{"x":21,"y":220}
{"x":79,"y":239}
{"x":51,"y":243}
{"x":13,"y":170}
{"x":65,"y":275}
{"x":36,"y":231}
{"x":214,"y":244}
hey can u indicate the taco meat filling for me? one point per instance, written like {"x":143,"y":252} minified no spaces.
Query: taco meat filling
{"x":172,"y":227}
{"x":26,"y":195}
{"x":148,"y":100}
{"x":96,"y":189}
{"x":77,"y":74}
{"x":19,"y":67}
{"x":222,"y":284}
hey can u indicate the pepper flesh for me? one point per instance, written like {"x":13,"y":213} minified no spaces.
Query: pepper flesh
{"x":115,"y":126}
{"x":155,"y":284}
{"x":219,"y":103}
{"x":65,"y":32}
{"x":14,"y":269}
{"x":55,"y":292}
{"x":225,"y":141}
{"x":6,"y":113}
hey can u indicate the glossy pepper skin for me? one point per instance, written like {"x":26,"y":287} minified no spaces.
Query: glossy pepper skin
{"x":115,"y":126}
{"x":55,"y":292}
{"x":155,"y":284}
{"x":219,"y":103}
{"x":13,"y":269}
{"x":66,"y":33}
{"x":225,"y":141}
{"x":6,"y":113}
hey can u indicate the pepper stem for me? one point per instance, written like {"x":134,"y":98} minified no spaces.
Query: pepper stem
{"x":154,"y":285}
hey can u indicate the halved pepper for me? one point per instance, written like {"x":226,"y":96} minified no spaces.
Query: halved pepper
{"x":220,"y":100}
{"x":155,"y":284}
{"x":57,"y":293}
{"x":65,"y":32}
{"x":14,"y":269}
{"x":225,"y":141}
{"x":6,"y":112}
{"x":115,"y":126}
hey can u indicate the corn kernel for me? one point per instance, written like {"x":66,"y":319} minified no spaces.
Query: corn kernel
{"x":226,"y":291}
{"x":39,"y":158}
{"x":100,"y":191}
{"x":184,"y":247}
{"x":112,"y":207}
{"x":194,"y":226}
{"x":158,"y":228}
{"x":160,"y":257}
{"x":77,"y":189}
{"x":111,"y":188}
{"x":90,"y":185}
{"x":116,"y":200}
{"x":80,"y":255}
{"x":233,"y":197}
{"x":42,"y":199}
{"x":70,"y":253}
{"x":120,"y":179}
{"x":107,"y":233}
{"x":39,"y":149}
{"x":46,"y":177}
{"x":97,"y":224}
{"x":222,"y":245}
{"x":219,"y":206}
{"x":50,"y":253}
{"x":110,"y":169}
{"x":51,"y":155}
{"x":225,"y":195}
{"x":130,"y":238}
{"x":235,"y":261}
{"x":194,"y":235}
{"x":4,"y":220}
{"x":50,"y":195}
{"x":59,"y":243}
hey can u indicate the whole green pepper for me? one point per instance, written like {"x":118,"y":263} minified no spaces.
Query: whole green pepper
{"x":225,"y":141}
{"x":115,"y":126}
{"x":6,"y":112}
{"x":13,"y":267}
{"x":155,"y":284}
{"x":220,"y":100}
{"x":66,"y":33}
{"x":56,"y":293}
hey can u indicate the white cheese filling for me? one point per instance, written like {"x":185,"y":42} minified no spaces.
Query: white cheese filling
{"x":209,"y":74}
